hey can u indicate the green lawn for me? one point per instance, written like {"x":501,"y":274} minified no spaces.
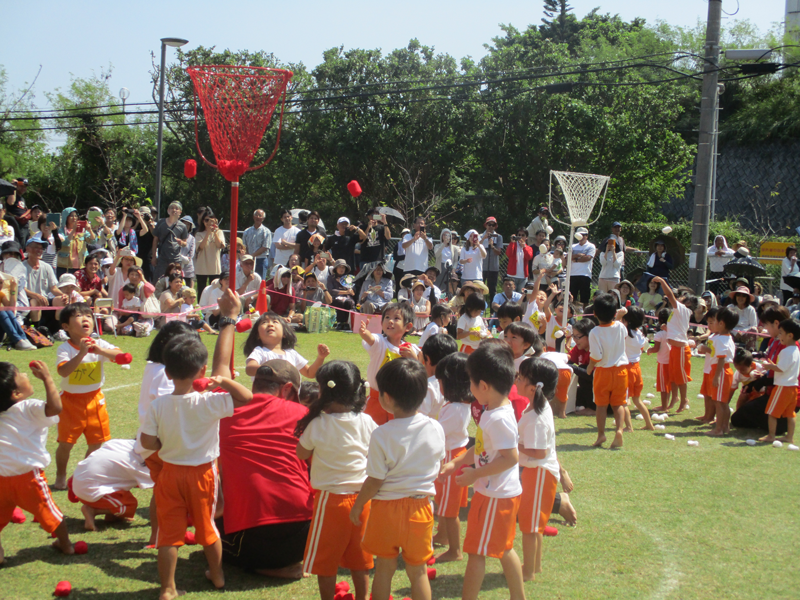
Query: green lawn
{"x":657,"y":519}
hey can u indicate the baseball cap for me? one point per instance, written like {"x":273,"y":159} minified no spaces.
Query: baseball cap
{"x":582,"y":231}
{"x":343,"y":220}
{"x":246,"y":258}
{"x":616,"y":224}
{"x":280,"y":372}
{"x":543,"y":209}
{"x":490,"y":220}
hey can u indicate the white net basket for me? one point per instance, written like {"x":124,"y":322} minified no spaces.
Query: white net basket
{"x":581,"y":191}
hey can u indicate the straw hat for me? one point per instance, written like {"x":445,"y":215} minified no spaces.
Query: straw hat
{"x":477,"y":285}
{"x":127,"y":253}
{"x":624,"y":282}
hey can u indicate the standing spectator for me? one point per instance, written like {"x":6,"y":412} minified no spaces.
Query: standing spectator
{"x":41,"y":282}
{"x":15,"y":205}
{"x":373,"y":248}
{"x":789,"y":267}
{"x":583,"y":253}
{"x":126,"y":236}
{"x":343,"y":241}
{"x":493,"y":243}
{"x":104,"y":233}
{"x":210,"y":241}
{"x":302,"y":245}
{"x":472,"y":255}
{"x":169,"y":237}
{"x":611,"y":259}
{"x":660,"y":262}
{"x":446,"y":254}
{"x":539,"y":223}
{"x":48,"y":232}
{"x":740,"y":249}
{"x":187,"y":252}
{"x":719,"y":255}
{"x":257,"y":240}
{"x":416,"y":246}
{"x":519,"y":257}
{"x":76,"y":236}
{"x":144,"y":231}
{"x":284,"y":239}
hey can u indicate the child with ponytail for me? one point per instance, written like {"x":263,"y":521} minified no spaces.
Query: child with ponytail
{"x":336,"y":433}
{"x":635,"y":343}
{"x":537,"y":380}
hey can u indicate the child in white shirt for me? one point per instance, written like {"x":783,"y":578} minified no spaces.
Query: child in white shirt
{"x":661,"y":348}
{"x":336,"y":433}
{"x":635,"y":343}
{"x":471,"y":328}
{"x":783,"y":398}
{"x":440,"y":319}
{"x":719,"y":351}
{"x":434,"y":350}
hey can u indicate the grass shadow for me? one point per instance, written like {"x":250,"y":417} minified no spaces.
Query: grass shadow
{"x":576,"y":447}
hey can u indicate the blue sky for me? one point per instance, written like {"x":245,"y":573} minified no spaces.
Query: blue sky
{"x":83,"y":36}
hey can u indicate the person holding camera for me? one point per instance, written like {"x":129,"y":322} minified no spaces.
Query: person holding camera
{"x":126,"y":235}
{"x":519,"y":257}
{"x":208,"y":260}
{"x":417,"y":244}
{"x":343,"y":241}
{"x":493,"y":244}
{"x":169,"y":236}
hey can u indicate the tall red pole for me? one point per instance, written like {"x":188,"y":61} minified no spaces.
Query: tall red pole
{"x":233,"y":254}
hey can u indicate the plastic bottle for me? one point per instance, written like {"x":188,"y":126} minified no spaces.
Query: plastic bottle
{"x":494,"y":331}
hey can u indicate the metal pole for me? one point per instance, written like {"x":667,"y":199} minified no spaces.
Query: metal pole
{"x":714,"y":159}
{"x":234,"y":254}
{"x":705,"y":150}
{"x":160,"y":129}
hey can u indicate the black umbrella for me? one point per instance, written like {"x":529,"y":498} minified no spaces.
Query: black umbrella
{"x":6,"y":188}
{"x":674,"y":248}
{"x":792,"y":281}
{"x":745,"y":267}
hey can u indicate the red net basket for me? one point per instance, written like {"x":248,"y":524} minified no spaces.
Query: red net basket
{"x":238,"y":103}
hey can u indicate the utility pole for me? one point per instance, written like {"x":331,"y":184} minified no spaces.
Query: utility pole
{"x":705,"y":150}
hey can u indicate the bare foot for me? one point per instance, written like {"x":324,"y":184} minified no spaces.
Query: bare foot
{"x":60,"y":484}
{"x":681,"y":408}
{"x":440,"y":539}
{"x":628,"y":430}
{"x":766,"y":438}
{"x":528,"y":576}
{"x":566,"y":482}
{"x":617,"y":443}
{"x":88,"y":515}
{"x":567,"y":511}
{"x":601,"y":439}
{"x":787,"y":439}
{"x":703,"y":419}
{"x":450,"y":556}
{"x":650,"y":428}
{"x":218,"y":581}
{"x":170,"y":594}
{"x":294,"y":571}
{"x":714,"y":433}
{"x":69,"y":549}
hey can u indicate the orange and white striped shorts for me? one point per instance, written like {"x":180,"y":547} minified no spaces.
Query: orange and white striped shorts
{"x":663,"y":383}
{"x":721,"y":393}
{"x":782,"y":402}
{"x":680,"y":364}
{"x":29,"y":491}
{"x":539,"y":488}
{"x":451,"y":497}
{"x":491,"y":526}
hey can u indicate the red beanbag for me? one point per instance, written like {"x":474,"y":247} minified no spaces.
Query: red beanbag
{"x":550,"y":531}
{"x":190,"y":168}
{"x":342,"y":586}
{"x":244,"y":325}
{"x":81,"y":547}
{"x":188,"y":539}
{"x":431,"y":561}
{"x":18,"y":516}
{"x":202,"y":384}
{"x":431,"y":573}
{"x":354,"y":189}
{"x":63,"y":588}
{"x":123,"y":359}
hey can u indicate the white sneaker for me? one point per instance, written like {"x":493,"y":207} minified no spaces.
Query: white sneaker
{"x":61,"y":336}
{"x":24,"y":345}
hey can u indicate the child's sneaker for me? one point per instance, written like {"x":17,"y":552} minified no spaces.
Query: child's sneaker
{"x":61,"y":336}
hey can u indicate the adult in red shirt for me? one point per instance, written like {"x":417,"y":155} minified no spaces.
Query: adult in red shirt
{"x":267,"y":494}
{"x":89,"y":280}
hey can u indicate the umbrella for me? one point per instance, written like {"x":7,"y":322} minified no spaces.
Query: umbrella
{"x":296,"y":216}
{"x":792,"y":280}
{"x":6,"y":188}
{"x":391,"y":212}
{"x":745,"y":267}
{"x":674,"y":248}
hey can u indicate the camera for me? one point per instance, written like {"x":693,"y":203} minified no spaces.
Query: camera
{"x":422,"y":228}
{"x":513,"y":238}
{"x":146,"y":217}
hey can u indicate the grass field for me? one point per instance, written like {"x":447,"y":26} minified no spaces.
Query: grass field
{"x":656,"y":519}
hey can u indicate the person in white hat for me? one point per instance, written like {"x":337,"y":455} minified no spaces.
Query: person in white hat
{"x":41,"y":281}
{"x":583,"y":253}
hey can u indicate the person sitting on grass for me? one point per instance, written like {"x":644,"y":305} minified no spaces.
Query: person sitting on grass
{"x":193,"y":315}
{"x":783,"y":399}
{"x":579,"y":359}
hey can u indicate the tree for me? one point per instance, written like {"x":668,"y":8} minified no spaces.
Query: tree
{"x":22,"y":142}
{"x":557,"y":24}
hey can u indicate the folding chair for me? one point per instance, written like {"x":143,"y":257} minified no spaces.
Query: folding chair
{"x":98,"y":304}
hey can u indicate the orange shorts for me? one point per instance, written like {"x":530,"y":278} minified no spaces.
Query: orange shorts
{"x":333,"y":541}
{"x":83,"y":414}
{"x":721,"y":393}
{"x":29,"y":491}
{"x":562,"y":388}
{"x":491,"y":526}
{"x":466,"y":349}
{"x":186,"y":491}
{"x":635,"y":381}
{"x":405,"y":523}
{"x":538,"y":495}
{"x":375,"y":410}
{"x":782,"y":402}
{"x":155,"y":464}
{"x":121,"y":504}
{"x":451,"y":497}
{"x":611,"y":386}
{"x":663,"y":383}
{"x":680,"y":364}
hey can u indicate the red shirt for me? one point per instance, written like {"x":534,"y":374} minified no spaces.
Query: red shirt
{"x":263,"y":481}
{"x":579,"y":357}
{"x":279,"y":302}
{"x":520,"y":403}
{"x":86,"y":283}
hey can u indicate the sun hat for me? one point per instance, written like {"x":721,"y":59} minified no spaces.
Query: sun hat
{"x":340,"y":262}
{"x":11,"y":246}
{"x":36,"y":239}
{"x":67,"y":279}
{"x":247,"y":258}
{"x":742,"y":290}
{"x":490,"y":220}
{"x":624,"y":282}
{"x":127,"y":253}
{"x":477,"y":285}
{"x":416,"y":283}
{"x":582,"y":231}
{"x":407,"y":280}
{"x":295,"y":269}
{"x":769,"y":299}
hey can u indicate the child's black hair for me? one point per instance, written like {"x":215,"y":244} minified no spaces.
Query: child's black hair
{"x":712,"y":312}
{"x":792,"y":327}
{"x":339,"y":382}
{"x":452,"y":373}
{"x":743,"y":357}
{"x":253,"y":341}
{"x":663,"y":315}
{"x":634,"y":319}
{"x":474,"y":302}
{"x":405,"y":308}
{"x":728,"y":317}
{"x":605,"y":307}
{"x":510,"y":310}
{"x":692,"y":302}
{"x":74,"y":310}
{"x":129,"y":287}
{"x":8,"y":384}
{"x":775,"y":313}
{"x":528,"y":334}
{"x":439,"y":311}
{"x":309,"y":393}
{"x":184,"y":356}
{"x":544,"y":372}
{"x":584,"y":326}
{"x":436,"y":347}
{"x":169,"y":331}
{"x":405,"y":380}
{"x":493,"y":364}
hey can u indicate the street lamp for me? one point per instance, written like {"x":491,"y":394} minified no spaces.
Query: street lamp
{"x":124,"y":94}
{"x":175,"y":43}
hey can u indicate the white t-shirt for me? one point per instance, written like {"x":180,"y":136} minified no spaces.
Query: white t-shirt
{"x":115,"y":467}
{"x":132,"y":304}
{"x":290,"y":235}
{"x":416,"y":254}
{"x":89,"y":376}
{"x":475,"y":326}
{"x":155,"y":383}
{"x":520,"y":264}
{"x":406,"y":454}
{"x":430,"y":329}
{"x":497,"y":431}
{"x":634,"y":346}
{"x":432,"y":404}
{"x":534,"y":316}
{"x":583,"y":268}
{"x":663,"y":349}
{"x":340,"y":442}
{"x":720,"y":346}
{"x":553,"y":325}
{"x":538,"y":432}
{"x":559,"y":359}
{"x":261,"y":355}
{"x":23,"y":438}
{"x":454,"y":418}
{"x":678,"y":323}
{"x":789,"y":364}
{"x":188,"y":426}
{"x":381,"y":352}
{"x":607,"y":345}
{"x":474,"y":270}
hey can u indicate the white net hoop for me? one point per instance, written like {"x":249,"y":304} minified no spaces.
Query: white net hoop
{"x":581,"y":191}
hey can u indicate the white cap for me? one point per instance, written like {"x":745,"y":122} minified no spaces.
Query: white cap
{"x":343,"y":220}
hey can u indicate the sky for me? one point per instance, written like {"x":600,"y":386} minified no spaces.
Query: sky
{"x":79,"y":37}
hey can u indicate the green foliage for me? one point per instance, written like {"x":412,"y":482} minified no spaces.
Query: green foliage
{"x":22,"y":143}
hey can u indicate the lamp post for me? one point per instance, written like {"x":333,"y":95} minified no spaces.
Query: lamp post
{"x":175,"y":43}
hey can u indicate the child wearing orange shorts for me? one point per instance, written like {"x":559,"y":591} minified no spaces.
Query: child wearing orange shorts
{"x":783,"y":398}
{"x":184,"y":428}
{"x":635,"y":343}
{"x":402,"y":464}
{"x":719,"y":351}
{"x":491,"y":467}
{"x":80,"y":365}
{"x":661,"y":348}
{"x":451,"y":373}
{"x":335,"y":435}
{"x":23,"y":451}
{"x":559,"y":398}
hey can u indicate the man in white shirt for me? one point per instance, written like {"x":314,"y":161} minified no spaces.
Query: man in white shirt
{"x":417,"y":245}
{"x":247,"y":279}
{"x":257,"y":240}
{"x":583,"y":254}
{"x":284,"y":239}
{"x":42,"y":284}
